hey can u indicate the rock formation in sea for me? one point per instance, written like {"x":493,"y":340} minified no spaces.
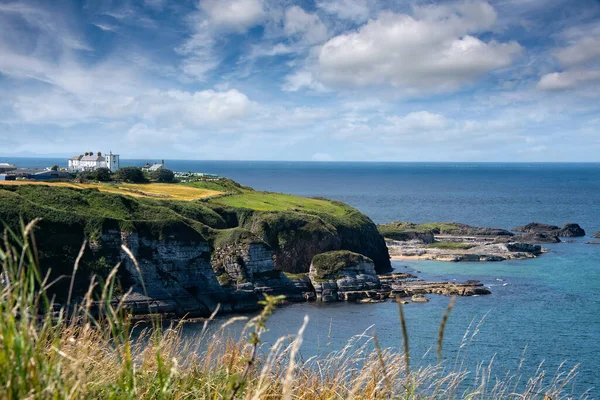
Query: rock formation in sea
{"x":453,"y":241}
{"x":347,"y":276}
{"x":568,"y":230}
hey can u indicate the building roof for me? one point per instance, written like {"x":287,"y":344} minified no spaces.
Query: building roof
{"x":77,"y":158}
{"x":156,"y":167}
{"x":93,"y":158}
{"x":52,"y":173}
{"x":25,"y":171}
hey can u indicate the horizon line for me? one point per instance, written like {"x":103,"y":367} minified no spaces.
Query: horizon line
{"x":321,"y":161}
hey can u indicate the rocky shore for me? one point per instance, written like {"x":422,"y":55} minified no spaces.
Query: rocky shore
{"x":459,"y":242}
{"x":334,"y":276}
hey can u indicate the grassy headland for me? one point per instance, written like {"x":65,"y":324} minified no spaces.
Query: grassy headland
{"x":224,"y":214}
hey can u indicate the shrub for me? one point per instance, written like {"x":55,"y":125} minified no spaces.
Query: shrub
{"x":103,"y":175}
{"x":100,"y":174}
{"x":131,"y":174}
{"x":163,"y":175}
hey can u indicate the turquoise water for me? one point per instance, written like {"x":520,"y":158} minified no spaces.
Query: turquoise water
{"x":541,"y":310}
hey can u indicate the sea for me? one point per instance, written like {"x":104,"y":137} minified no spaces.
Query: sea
{"x":543,"y":313}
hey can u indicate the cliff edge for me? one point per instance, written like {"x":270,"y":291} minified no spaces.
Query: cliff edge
{"x":192,"y":255}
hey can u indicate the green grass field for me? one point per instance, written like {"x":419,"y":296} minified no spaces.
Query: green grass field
{"x":265,"y":201}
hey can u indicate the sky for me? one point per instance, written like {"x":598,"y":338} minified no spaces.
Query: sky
{"x":322,"y":80}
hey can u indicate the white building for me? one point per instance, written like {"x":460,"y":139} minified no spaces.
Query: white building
{"x":5,"y":167}
{"x":90,"y":162}
{"x":153,"y":167}
{"x":112,"y":162}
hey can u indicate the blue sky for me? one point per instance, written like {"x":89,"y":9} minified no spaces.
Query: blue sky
{"x":363,"y":80}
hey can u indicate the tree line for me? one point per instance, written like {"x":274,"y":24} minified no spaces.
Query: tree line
{"x":127,"y":174}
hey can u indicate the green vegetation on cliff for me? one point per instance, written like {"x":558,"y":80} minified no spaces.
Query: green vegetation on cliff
{"x":295,"y":228}
{"x":393,"y":230}
{"x":266,"y":201}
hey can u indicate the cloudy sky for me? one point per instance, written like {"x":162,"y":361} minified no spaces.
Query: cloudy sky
{"x":364,"y":80}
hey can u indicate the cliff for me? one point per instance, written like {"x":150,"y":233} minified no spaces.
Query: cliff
{"x":192,"y":255}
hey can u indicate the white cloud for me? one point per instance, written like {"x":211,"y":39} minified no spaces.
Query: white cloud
{"x":236,"y":15}
{"x":418,"y":122}
{"x":579,"y":58}
{"x":52,"y":26}
{"x":354,"y":10}
{"x":140,"y":135}
{"x":196,"y":109}
{"x":105,"y":27}
{"x":214,"y":19}
{"x":302,"y":79}
{"x":434,"y":50}
{"x":304,"y":25}
{"x":579,"y":53}
{"x":568,"y":79}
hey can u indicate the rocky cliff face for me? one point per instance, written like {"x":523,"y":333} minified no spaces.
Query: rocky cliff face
{"x":343,"y":275}
{"x":192,"y":256}
{"x":296,"y":238}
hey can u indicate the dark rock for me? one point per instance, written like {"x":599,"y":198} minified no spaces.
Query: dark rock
{"x":524,"y":248}
{"x":411,"y":234}
{"x":467,"y":230}
{"x":568,"y":230}
{"x":535,"y":227}
{"x":539,"y":237}
{"x":571,"y":230}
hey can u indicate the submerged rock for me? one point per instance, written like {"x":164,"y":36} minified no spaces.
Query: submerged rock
{"x":596,"y":235}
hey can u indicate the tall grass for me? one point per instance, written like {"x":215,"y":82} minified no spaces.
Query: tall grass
{"x":47,"y":352}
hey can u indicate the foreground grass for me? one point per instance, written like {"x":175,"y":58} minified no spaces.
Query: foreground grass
{"x":166,"y":191}
{"x":86,"y":352}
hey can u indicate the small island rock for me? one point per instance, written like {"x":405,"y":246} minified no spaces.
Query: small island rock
{"x":568,"y":230}
{"x":571,"y":230}
{"x":343,"y":275}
